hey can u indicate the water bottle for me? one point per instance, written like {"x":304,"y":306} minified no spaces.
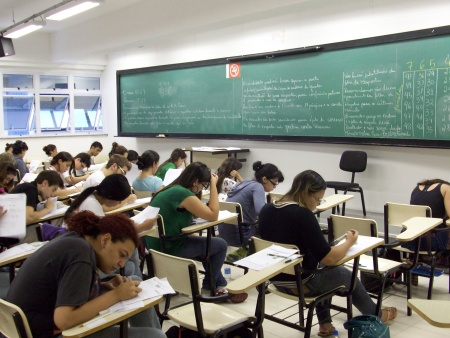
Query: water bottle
{"x":335,"y":334}
{"x":227,"y":274}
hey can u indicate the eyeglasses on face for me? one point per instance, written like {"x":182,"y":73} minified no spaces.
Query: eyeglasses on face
{"x":273,"y":183}
{"x":124,"y":173}
{"x":205,"y":185}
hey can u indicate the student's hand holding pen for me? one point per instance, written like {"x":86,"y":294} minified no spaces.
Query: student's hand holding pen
{"x":113,"y":283}
{"x":352,"y":236}
{"x":127,"y":289}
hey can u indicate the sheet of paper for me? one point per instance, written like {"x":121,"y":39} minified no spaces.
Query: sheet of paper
{"x":147,"y":213}
{"x":223,"y":214}
{"x":13,"y":223}
{"x":362,"y":243}
{"x":29,"y":177}
{"x":34,"y":164}
{"x":17,"y":250}
{"x":58,"y":211}
{"x":96,"y":167}
{"x":141,"y":201}
{"x":41,"y":205}
{"x":171,"y":175}
{"x":267,"y":257}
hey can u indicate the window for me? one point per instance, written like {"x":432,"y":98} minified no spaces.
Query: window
{"x":52,"y":98}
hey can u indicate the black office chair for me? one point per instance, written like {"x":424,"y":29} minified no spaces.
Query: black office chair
{"x":355,"y":162}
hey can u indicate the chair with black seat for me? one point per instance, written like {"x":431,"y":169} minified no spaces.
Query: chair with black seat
{"x":14,"y":322}
{"x":355,"y":162}
{"x":309,"y":303}
{"x":394,"y":215}
{"x":199,"y":313}
{"x":374,"y":265}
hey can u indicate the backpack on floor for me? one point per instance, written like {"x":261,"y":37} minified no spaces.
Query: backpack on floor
{"x":367,"y":326}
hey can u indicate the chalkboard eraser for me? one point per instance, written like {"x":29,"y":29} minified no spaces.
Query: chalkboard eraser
{"x":161,"y":135}
{"x":187,"y":148}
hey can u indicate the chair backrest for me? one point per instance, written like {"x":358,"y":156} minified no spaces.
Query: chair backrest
{"x":175,"y":269}
{"x":143,"y":193}
{"x":396,"y":213}
{"x":233,"y":207}
{"x":353,"y":161}
{"x":14,"y":322}
{"x":339,"y":225}
{"x":258,"y":244}
{"x":273,"y":196}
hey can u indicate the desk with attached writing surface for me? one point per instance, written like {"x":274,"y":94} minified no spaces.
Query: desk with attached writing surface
{"x":110,"y":320}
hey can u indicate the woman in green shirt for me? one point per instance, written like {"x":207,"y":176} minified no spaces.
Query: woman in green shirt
{"x":177,"y":204}
{"x":175,"y":161}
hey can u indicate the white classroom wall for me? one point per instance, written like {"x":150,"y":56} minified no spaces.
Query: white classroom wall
{"x":217,"y":32}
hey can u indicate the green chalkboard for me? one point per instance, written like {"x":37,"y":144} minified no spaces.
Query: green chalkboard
{"x":370,"y":91}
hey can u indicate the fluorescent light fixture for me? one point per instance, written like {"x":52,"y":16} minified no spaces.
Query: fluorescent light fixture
{"x":72,"y":8}
{"x":24,"y":29}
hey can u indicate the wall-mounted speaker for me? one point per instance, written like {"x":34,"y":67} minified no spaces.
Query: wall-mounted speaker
{"x":6,"y":47}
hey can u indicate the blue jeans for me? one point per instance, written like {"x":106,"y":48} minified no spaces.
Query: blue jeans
{"x":332,"y":278}
{"x":230,"y":233}
{"x":195,"y":246}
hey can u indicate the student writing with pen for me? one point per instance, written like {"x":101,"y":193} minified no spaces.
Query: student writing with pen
{"x":290,"y":220}
{"x":58,"y":287}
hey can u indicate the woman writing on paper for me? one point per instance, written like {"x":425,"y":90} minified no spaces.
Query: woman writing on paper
{"x":178,"y":202}
{"x":291,"y":221}
{"x":58,"y":287}
{"x":61,"y":163}
{"x":176,"y":160}
{"x":228,"y":175}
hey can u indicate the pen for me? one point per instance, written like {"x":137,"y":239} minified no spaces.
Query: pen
{"x":337,"y":240}
{"x":288,"y":261}
{"x":276,"y":256}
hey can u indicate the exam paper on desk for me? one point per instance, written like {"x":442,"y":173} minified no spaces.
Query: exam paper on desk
{"x":223,"y":214}
{"x":20,"y":249}
{"x":151,"y":288}
{"x":267,"y":257}
{"x":147,"y":213}
{"x":362,"y":243}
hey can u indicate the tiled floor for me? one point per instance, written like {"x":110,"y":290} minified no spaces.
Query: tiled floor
{"x":403,"y":326}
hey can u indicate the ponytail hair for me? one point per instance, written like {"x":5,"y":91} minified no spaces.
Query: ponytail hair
{"x":119,"y":226}
{"x":268,"y":170}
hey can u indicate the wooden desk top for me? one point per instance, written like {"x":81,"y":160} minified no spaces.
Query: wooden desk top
{"x":417,"y":226}
{"x":253,"y":278}
{"x":332,"y":201}
{"x":21,"y":256}
{"x":140,"y":203}
{"x":111,"y":319}
{"x":435,"y":312}
{"x":205,"y":225}
{"x":153,"y":232}
{"x":363,"y":244}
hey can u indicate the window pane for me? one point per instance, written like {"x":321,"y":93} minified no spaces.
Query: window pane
{"x":17,"y":112}
{"x":91,"y":83}
{"x":51,"y":82}
{"x":53,"y":109}
{"x":87,"y":109}
{"x":17,"y":81}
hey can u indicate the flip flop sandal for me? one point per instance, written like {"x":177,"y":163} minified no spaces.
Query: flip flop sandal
{"x":391,"y":314}
{"x":239,"y":298}
{"x":327,"y":333}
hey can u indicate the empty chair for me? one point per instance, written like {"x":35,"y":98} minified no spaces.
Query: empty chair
{"x":14,"y":322}
{"x":394,"y":215}
{"x":355,"y":162}
{"x":198,"y":314}
{"x":380,"y":267}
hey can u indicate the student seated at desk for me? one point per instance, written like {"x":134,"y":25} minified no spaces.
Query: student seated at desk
{"x":95,"y":149}
{"x":132,"y":156}
{"x":118,"y":150}
{"x":251,"y":196}
{"x":290,"y":220}
{"x":148,"y":164}
{"x":60,"y":163}
{"x":228,"y":175}
{"x":7,"y":174}
{"x":19,"y":150}
{"x":110,"y":192}
{"x":79,"y":162}
{"x":178,"y":202}
{"x":44,"y":186}
{"x":176,"y":159}
{"x":50,"y":150}
{"x":116,"y":164}
{"x":58,"y":288}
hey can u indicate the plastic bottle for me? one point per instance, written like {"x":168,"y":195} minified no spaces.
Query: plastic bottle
{"x":227,"y":274}
{"x":335,"y":334}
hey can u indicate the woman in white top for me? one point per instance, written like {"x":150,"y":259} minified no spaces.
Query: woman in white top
{"x":79,"y":163}
{"x":228,"y":175}
{"x":110,"y":192}
{"x":61,"y":163}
